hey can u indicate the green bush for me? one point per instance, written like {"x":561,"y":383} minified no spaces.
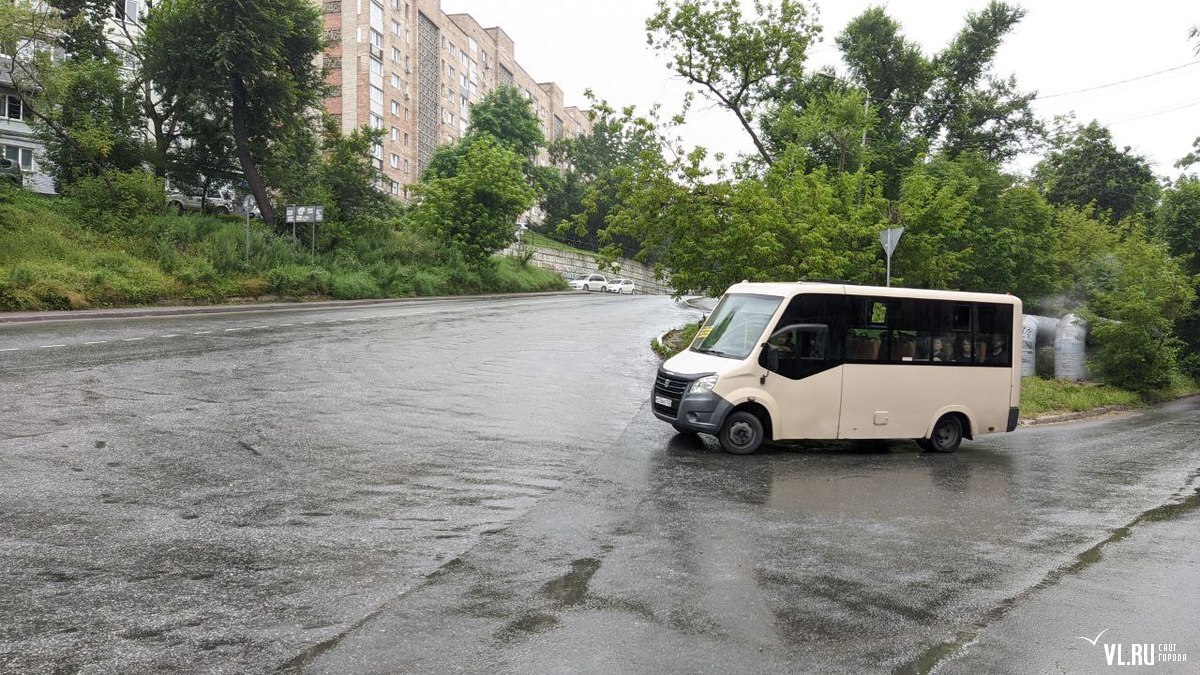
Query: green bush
{"x":354,"y":286}
{"x":132,"y":195}
{"x":297,"y":280}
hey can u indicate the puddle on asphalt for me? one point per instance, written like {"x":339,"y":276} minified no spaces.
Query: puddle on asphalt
{"x":570,"y":588}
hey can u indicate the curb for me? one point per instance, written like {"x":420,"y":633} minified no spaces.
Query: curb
{"x":1074,"y":416}
{"x":148,"y":312}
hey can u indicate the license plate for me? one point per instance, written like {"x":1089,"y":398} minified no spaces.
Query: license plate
{"x":663,"y":400}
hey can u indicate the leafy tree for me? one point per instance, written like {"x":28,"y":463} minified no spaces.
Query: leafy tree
{"x":788,"y":224}
{"x":507,"y":116}
{"x":735,"y":60}
{"x":1177,"y":220}
{"x":832,"y":127}
{"x":1085,"y":167}
{"x":579,"y":204}
{"x":251,"y":66}
{"x":1138,"y":296}
{"x":950,"y":101}
{"x":79,"y":104}
{"x":474,"y":209}
{"x":970,"y":227}
{"x":348,"y":172}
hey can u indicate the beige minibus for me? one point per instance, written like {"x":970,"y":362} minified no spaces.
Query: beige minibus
{"x":780,"y":361}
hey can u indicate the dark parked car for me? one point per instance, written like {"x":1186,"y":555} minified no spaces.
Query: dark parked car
{"x":10,"y":172}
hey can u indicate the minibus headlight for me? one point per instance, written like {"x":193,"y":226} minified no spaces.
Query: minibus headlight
{"x":703,"y":385}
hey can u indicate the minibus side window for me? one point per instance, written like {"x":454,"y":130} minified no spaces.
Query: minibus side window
{"x":801,"y":340}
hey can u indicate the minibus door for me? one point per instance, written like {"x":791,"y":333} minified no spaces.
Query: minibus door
{"x":802,"y":377}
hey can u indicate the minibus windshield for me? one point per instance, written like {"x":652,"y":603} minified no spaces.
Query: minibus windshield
{"x":736,"y":325}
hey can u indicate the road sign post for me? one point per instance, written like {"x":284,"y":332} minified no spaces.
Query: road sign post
{"x":890,"y":239}
{"x":305,"y":214}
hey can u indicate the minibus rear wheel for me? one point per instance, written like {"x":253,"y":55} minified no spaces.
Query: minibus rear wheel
{"x":741,"y":434}
{"x":947,"y":434}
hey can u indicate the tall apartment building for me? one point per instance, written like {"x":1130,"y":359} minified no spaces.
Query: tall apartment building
{"x":406,"y":67}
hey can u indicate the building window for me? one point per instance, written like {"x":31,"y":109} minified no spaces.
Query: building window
{"x":395,"y":81}
{"x":395,"y":188}
{"x":377,"y":16}
{"x":406,"y":140}
{"x":22,"y":156}
{"x":396,"y":108}
{"x":472,"y":44}
{"x":13,"y":109}
{"x":376,"y":121}
{"x":407,"y":166}
{"x":376,"y":95}
{"x":376,"y":67}
{"x":395,"y":161}
{"x":406,"y":114}
{"x":396,"y":136}
{"x":395,"y":28}
{"x":127,"y":10}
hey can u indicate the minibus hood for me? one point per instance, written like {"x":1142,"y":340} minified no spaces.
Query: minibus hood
{"x":689,"y":362}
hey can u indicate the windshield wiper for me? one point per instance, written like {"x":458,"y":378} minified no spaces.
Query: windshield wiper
{"x":714,"y":352}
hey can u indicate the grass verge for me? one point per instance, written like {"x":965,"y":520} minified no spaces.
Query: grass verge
{"x":55,"y":255}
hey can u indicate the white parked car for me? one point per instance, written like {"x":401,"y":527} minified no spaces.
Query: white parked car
{"x":591,"y":282}
{"x":620,"y":286}
{"x":216,"y":200}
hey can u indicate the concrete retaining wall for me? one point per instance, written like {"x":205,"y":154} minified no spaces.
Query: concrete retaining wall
{"x":577,"y":263}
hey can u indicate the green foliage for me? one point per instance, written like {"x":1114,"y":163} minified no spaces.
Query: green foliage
{"x":474,"y":212}
{"x":298,"y":280}
{"x":734,"y":59}
{"x":354,"y":286}
{"x":116,"y":200}
{"x":508,"y":116}
{"x":1137,"y":297}
{"x":1044,"y":396}
{"x":968,"y":227}
{"x":950,"y":101}
{"x":786,"y":225}
{"x":675,"y":341}
{"x":249,"y":67}
{"x":1084,"y":167}
{"x":578,"y":203}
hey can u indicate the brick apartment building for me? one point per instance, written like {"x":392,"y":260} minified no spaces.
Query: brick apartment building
{"x":406,"y":67}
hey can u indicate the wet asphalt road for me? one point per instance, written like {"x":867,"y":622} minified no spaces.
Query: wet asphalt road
{"x":479,"y":486}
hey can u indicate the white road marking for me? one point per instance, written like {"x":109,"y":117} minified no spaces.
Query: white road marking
{"x":260,"y":327}
{"x":11,"y":349}
{"x":202,"y":332}
{"x":96,"y":342}
{"x":51,"y":346}
{"x":230,"y":330}
{"x":170,"y":336}
{"x":285,"y":325}
{"x":133,"y":339}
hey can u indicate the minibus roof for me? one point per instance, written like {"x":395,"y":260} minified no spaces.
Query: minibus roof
{"x":788,"y":289}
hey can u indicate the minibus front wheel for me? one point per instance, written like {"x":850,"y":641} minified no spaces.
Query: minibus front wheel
{"x":742,"y":433}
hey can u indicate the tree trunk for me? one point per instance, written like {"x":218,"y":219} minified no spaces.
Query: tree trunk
{"x":241,"y":141}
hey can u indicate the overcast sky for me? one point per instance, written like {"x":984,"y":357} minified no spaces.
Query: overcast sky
{"x":1061,"y":46}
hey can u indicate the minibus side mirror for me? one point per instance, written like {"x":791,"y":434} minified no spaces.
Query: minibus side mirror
{"x":771,"y":356}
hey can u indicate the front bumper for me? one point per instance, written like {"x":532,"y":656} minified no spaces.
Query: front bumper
{"x":698,"y":412}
